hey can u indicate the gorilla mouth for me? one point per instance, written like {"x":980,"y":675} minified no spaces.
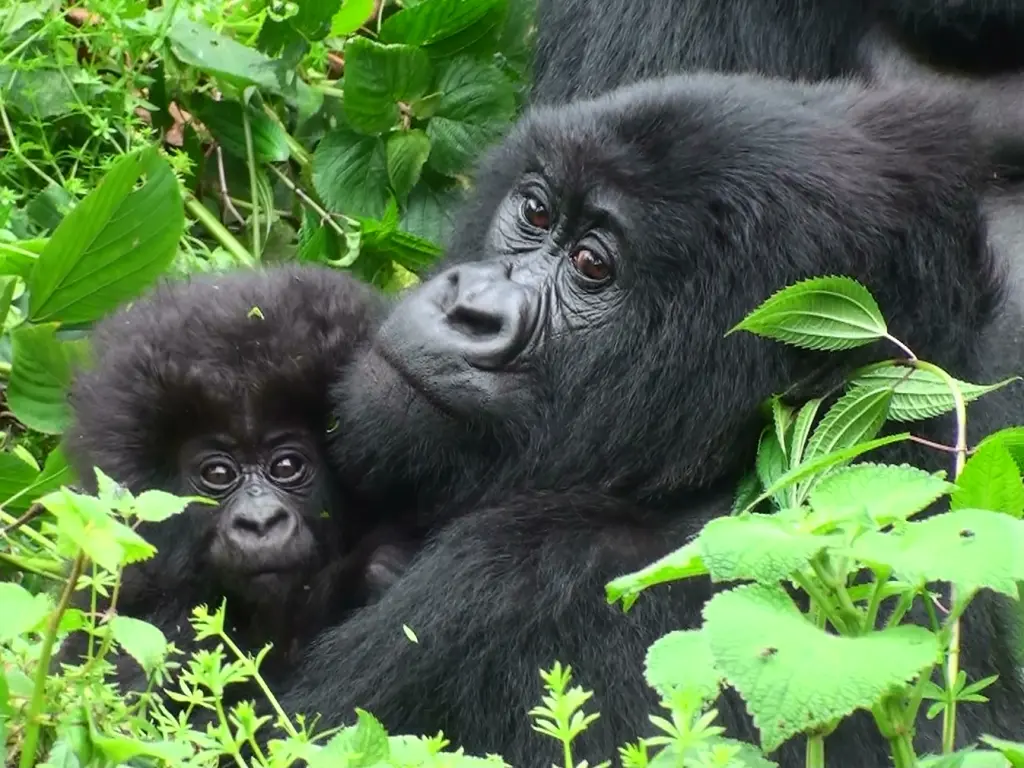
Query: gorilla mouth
{"x":415,"y":383}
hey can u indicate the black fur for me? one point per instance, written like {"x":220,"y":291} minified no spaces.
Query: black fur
{"x":235,"y":355}
{"x":586,"y":47}
{"x":635,"y":416}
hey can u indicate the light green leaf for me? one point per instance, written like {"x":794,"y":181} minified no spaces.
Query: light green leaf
{"x":1012,"y":439}
{"x":883,"y":492}
{"x":140,"y":640}
{"x":224,"y":120}
{"x":377,"y":77}
{"x":757,"y":547}
{"x":970,"y":548}
{"x":786,"y":669}
{"x":802,"y":430}
{"x":112,"y":245}
{"x":120,"y":749}
{"x":857,"y":416}
{"x":990,"y":480}
{"x":22,"y":611}
{"x":682,"y":660}
{"x":683,"y":563}
{"x":476,"y":108}
{"x":407,"y":151}
{"x":823,"y":313}
{"x":360,"y":746}
{"x":350,"y":173}
{"x":7,"y":285}
{"x":919,"y":394}
{"x":41,"y":371}
{"x":1011,"y":750}
{"x":351,"y":16}
{"x":15,"y":475}
{"x":157,"y":506}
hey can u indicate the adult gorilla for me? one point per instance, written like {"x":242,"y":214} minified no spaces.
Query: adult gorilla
{"x":575,"y":341}
{"x":586,"y":47}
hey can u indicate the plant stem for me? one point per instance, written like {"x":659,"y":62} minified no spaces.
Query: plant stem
{"x":35,"y":706}
{"x":250,"y":158}
{"x":285,"y":723}
{"x":219,"y":231}
{"x":815,"y":752}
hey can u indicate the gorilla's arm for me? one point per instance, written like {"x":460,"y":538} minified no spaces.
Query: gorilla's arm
{"x":499,"y":595}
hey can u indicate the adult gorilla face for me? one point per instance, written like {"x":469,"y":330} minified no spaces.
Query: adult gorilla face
{"x":608,"y":251}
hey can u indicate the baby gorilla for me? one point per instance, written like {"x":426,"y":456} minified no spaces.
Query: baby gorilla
{"x":218,"y":387}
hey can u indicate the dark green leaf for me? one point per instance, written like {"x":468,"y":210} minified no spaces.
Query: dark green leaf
{"x":350,"y":173}
{"x":448,"y":27}
{"x":856,"y":416}
{"x":406,"y":153}
{"x":377,"y":77}
{"x":428,"y":212}
{"x":40,"y":375}
{"x":224,"y":119}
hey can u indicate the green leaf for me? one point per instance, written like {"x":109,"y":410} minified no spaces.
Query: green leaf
{"x":1011,"y":750}
{"x":119,"y":749}
{"x":376,"y":78}
{"x":22,"y":611}
{"x":683,"y":563}
{"x":350,"y":173}
{"x":157,"y":506}
{"x":448,"y":27}
{"x":857,"y":416}
{"x":15,"y":475}
{"x":680,"y":661}
{"x":823,"y":313}
{"x":351,"y":16}
{"x":919,"y":394}
{"x":476,"y":108}
{"x":40,"y":374}
{"x":112,"y":245}
{"x":884,"y":493}
{"x":21,"y":485}
{"x":5,"y":706}
{"x":970,"y":548}
{"x":140,"y":640}
{"x":428,"y":212}
{"x":786,"y":670}
{"x":362,"y":745}
{"x":802,"y":430}
{"x":760,"y":548}
{"x":990,"y":480}
{"x":7,"y":285}
{"x":1012,"y":439}
{"x":224,"y":120}
{"x":771,"y":461}
{"x":407,"y":152}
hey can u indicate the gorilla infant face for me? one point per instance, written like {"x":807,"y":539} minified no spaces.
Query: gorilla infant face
{"x":271,"y":498}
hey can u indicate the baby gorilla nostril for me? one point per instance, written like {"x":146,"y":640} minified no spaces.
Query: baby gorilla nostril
{"x":260,"y":522}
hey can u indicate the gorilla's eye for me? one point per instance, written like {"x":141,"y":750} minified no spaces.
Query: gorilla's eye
{"x":218,"y":474}
{"x":536,"y":213}
{"x":287,"y":468}
{"x":590,"y":265}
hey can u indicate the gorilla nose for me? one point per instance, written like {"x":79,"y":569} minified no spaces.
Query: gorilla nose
{"x":492,"y":315}
{"x":254,"y":522}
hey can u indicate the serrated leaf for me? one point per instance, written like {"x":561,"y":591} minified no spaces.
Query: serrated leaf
{"x":771,"y":461}
{"x":883,"y":492}
{"x":746,"y":492}
{"x":1012,"y":439}
{"x":755,"y":547}
{"x":120,"y":749}
{"x":22,"y":611}
{"x":683,"y":563}
{"x":351,"y":16}
{"x":782,"y":420}
{"x":970,"y":548}
{"x":377,"y":77}
{"x":112,"y":245}
{"x":350,"y":173}
{"x":224,"y":120}
{"x":140,"y":640}
{"x":41,"y":371}
{"x":990,"y":480}
{"x":919,"y":394}
{"x":407,"y":152}
{"x":362,"y":745}
{"x":802,"y":430}
{"x":434,"y":22}
{"x":428,"y":212}
{"x":786,"y":670}
{"x":157,"y":506}
{"x":477,"y":106}
{"x":682,"y":660}
{"x":823,"y":313}
{"x":857,"y":416}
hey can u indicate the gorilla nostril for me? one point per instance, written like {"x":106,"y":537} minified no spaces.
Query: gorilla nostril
{"x":474,"y":321}
{"x":261,"y":523}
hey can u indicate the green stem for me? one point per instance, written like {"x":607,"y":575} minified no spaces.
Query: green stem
{"x":12,"y":142}
{"x":821,"y":600}
{"x":285,"y":723}
{"x":881,"y":579}
{"x":35,"y":706}
{"x":219,"y":231}
{"x":250,"y":158}
{"x":815,"y":752}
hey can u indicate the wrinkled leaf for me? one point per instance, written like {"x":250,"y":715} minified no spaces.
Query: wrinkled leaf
{"x":857,"y":416}
{"x":350,"y":173}
{"x":40,"y":374}
{"x":756,"y":547}
{"x":407,"y":151}
{"x":683,"y":563}
{"x":140,"y":640}
{"x":377,"y":77}
{"x":682,"y":660}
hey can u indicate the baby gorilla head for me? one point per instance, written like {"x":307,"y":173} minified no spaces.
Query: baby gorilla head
{"x":218,"y":387}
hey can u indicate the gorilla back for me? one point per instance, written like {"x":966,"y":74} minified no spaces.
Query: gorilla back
{"x":574,"y":342}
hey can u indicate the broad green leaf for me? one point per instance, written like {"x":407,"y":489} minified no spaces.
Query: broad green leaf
{"x":140,"y":640}
{"x":120,"y":749}
{"x":351,"y":16}
{"x":114,"y":244}
{"x":17,"y":259}
{"x":1011,"y":750}
{"x":970,"y":548}
{"x":224,"y":120}
{"x":919,"y":394}
{"x":448,"y":27}
{"x":756,"y":547}
{"x":407,"y":151}
{"x":5,"y":706}
{"x":884,"y":493}
{"x":823,"y":313}
{"x":45,"y":92}
{"x":1012,"y":439}
{"x":18,"y":490}
{"x":350,"y":173}
{"x":683,"y":563}
{"x":990,"y":480}
{"x":157,"y":506}
{"x":377,"y":77}
{"x":429,"y":212}
{"x":971,"y":757}
{"x":40,"y":374}
{"x":362,"y":745}
{"x":7,"y":285}
{"x":22,"y":611}
{"x":476,"y":108}
{"x":682,"y":660}
{"x":857,"y":416}
{"x":15,"y":475}
{"x":411,"y":252}
{"x":786,"y":670}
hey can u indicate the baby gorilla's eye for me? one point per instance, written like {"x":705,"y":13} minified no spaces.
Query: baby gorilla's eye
{"x":536,"y":213}
{"x":218,"y":474}
{"x":287,"y":468}
{"x":590,"y":265}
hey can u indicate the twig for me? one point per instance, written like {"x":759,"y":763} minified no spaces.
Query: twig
{"x":225,"y":198}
